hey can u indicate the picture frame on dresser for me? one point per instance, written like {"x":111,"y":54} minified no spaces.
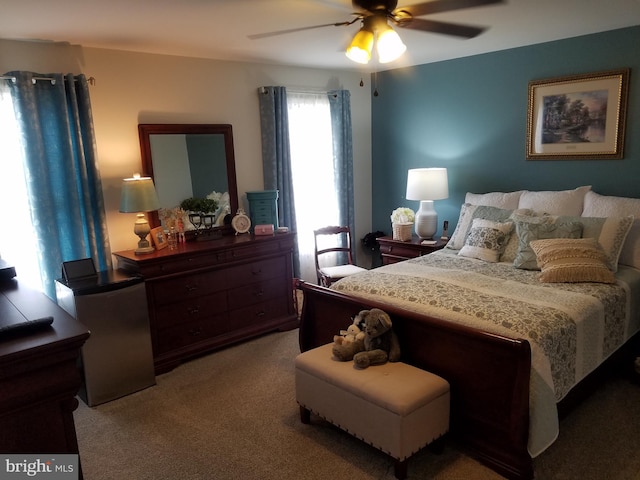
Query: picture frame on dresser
{"x":577,"y":117}
{"x":159,"y":238}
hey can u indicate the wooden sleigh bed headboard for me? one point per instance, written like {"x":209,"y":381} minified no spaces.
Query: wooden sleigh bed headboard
{"x":488,"y":373}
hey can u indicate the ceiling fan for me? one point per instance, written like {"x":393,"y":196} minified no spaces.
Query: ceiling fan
{"x":375,"y":16}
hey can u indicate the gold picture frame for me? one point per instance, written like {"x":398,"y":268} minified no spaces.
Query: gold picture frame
{"x":159,"y":238}
{"x":578,"y":117}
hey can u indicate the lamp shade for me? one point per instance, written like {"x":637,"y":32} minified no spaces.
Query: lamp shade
{"x":389,"y":45}
{"x":360,"y":49}
{"x":427,"y":184}
{"x":138,"y":195}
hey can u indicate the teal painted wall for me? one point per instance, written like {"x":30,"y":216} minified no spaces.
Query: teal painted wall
{"x":469,"y":115}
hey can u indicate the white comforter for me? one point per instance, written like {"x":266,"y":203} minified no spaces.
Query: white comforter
{"x":572,"y":328}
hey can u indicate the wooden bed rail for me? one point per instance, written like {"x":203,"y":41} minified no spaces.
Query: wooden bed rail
{"x":489,"y":374}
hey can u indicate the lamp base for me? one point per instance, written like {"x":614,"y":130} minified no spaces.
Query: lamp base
{"x":142,"y":229}
{"x":426,"y":220}
{"x":143,"y":250}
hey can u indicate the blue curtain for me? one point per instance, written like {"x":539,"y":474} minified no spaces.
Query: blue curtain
{"x":63,"y":179}
{"x":340,"y":107}
{"x":276,"y":156}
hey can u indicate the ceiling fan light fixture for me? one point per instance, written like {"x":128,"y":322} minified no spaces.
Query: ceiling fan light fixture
{"x":361,"y":46}
{"x":389,"y":45}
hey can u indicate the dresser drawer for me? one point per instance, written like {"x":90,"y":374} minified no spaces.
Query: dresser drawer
{"x":258,"y":313}
{"x":185,"y":311}
{"x":253,"y":272}
{"x":189,"y":333}
{"x":186,"y":287}
{"x":183,"y":263}
{"x":256,"y":293}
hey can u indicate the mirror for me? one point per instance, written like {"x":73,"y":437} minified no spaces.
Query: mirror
{"x":188,"y":160}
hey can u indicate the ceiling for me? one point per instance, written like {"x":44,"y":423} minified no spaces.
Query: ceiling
{"x":219,"y":29}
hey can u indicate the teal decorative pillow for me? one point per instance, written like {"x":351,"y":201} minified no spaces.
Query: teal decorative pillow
{"x":486,"y":240}
{"x":470,"y":212}
{"x":510,"y":251}
{"x":528,"y":231}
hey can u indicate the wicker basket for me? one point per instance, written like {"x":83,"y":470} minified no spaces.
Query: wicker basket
{"x":402,"y":231}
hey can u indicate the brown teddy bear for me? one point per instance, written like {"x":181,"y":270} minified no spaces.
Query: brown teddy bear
{"x":380,"y":341}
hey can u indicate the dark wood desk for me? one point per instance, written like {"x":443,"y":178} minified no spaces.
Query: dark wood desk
{"x":393,"y":251}
{"x":39,"y":377}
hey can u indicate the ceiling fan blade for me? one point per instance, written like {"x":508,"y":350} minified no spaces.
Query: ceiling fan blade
{"x":438,"y":6}
{"x":466,"y":31}
{"x":300,"y":29}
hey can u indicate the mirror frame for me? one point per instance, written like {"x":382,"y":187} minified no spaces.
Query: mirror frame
{"x":147,"y":129}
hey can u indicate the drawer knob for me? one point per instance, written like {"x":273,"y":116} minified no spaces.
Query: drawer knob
{"x":194,"y":311}
{"x":191,"y":288}
{"x":257,"y":271}
{"x":195,"y":332}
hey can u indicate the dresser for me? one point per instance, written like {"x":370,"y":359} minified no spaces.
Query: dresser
{"x":206,"y":295}
{"x":39,"y":376}
{"x":393,"y":251}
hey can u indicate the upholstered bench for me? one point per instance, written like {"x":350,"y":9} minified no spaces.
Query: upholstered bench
{"x":394,"y":407}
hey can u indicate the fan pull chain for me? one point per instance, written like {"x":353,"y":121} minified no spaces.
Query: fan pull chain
{"x":375,"y":83}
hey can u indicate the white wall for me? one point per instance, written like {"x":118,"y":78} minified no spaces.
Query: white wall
{"x":132,"y":88}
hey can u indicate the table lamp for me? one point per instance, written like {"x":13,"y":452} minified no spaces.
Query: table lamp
{"x":427,"y":185}
{"x":139,"y":196}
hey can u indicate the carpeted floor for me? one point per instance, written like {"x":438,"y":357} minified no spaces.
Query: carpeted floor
{"x":232,"y":415}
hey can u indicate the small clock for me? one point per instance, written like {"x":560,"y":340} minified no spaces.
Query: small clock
{"x":240,"y":222}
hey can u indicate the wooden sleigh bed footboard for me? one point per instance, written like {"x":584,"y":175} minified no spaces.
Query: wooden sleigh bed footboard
{"x":489,"y":374}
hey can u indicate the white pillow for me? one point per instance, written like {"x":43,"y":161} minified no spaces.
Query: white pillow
{"x":564,"y":202}
{"x":486,"y":240}
{"x":610,"y":232}
{"x":507,"y":200}
{"x":596,"y":205}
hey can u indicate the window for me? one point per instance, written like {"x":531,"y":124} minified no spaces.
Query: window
{"x":17,"y":235}
{"x":312,"y":166}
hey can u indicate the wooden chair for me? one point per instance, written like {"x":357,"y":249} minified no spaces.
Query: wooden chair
{"x":341,"y":250}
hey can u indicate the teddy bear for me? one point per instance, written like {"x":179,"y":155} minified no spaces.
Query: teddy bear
{"x":345,"y":347}
{"x":380,"y":341}
{"x":350,"y":335}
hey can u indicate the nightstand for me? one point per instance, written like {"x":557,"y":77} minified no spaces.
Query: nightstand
{"x":393,"y":251}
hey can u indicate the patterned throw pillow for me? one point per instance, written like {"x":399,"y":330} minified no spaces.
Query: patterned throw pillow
{"x":572,"y":260}
{"x":486,"y":240}
{"x":470,"y":212}
{"x":528,"y":231}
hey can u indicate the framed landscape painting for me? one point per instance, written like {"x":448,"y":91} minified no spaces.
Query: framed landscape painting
{"x":577,"y":117}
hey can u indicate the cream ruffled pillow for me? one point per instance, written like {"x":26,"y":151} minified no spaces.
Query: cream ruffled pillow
{"x":572,"y":260}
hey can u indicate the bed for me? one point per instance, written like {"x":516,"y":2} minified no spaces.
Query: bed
{"x":514,"y":348}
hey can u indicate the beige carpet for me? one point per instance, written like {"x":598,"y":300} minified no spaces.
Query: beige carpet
{"x":233,"y":415}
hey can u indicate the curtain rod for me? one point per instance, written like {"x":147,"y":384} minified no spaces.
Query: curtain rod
{"x":307,"y":90}
{"x":91,"y":80}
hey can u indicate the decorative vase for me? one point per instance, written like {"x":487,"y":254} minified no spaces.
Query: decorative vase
{"x":402,"y":231}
